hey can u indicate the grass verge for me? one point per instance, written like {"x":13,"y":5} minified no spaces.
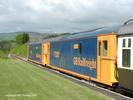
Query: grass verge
{"x":22,"y":81}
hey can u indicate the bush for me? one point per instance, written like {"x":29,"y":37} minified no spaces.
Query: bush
{"x":22,"y":38}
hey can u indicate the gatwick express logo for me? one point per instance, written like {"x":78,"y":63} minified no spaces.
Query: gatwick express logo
{"x":91,"y":63}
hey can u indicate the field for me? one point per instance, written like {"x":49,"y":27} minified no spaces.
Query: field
{"x":22,"y":81}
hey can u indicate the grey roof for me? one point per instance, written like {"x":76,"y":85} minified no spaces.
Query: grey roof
{"x":48,"y":40}
{"x":94,"y":32}
{"x":103,"y":30}
{"x":126,"y":29}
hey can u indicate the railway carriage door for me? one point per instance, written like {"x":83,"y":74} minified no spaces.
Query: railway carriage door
{"x":46,"y":53}
{"x":106,"y":62}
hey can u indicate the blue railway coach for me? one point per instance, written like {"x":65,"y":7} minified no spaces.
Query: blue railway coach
{"x":35,"y":52}
{"x":88,"y":55}
{"x":78,"y":55}
{"x":103,"y":55}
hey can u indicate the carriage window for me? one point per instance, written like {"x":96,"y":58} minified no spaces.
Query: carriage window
{"x":48,"y":48}
{"x":39,"y":47}
{"x":129,"y":42}
{"x":126,"y":57}
{"x":105,"y":48}
{"x":36,"y":47}
{"x":80,"y":48}
{"x":124,"y":42}
{"x":99,"y":49}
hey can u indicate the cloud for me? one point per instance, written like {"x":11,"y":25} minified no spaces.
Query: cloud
{"x":62,"y":15}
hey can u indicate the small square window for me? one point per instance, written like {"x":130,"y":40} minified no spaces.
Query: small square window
{"x":76,"y":46}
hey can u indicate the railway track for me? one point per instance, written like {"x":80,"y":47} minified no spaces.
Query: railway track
{"x":88,"y":84}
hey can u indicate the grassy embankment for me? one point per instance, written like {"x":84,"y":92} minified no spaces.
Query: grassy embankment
{"x":22,"y":81}
{"x":20,"y":50}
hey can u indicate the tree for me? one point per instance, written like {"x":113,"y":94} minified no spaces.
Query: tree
{"x":22,"y":38}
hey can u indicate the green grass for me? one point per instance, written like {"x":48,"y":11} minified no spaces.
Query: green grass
{"x":3,"y":55}
{"x":22,"y":81}
{"x":20,"y":50}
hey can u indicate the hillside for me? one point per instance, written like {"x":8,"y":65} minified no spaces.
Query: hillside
{"x":34,"y":36}
{"x":11,"y":36}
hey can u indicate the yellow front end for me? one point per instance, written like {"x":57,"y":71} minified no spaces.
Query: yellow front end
{"x":106,"y":59}
{"x":46,"y":53}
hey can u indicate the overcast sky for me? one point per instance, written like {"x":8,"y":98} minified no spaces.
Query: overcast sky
{"x":62,"y":15}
